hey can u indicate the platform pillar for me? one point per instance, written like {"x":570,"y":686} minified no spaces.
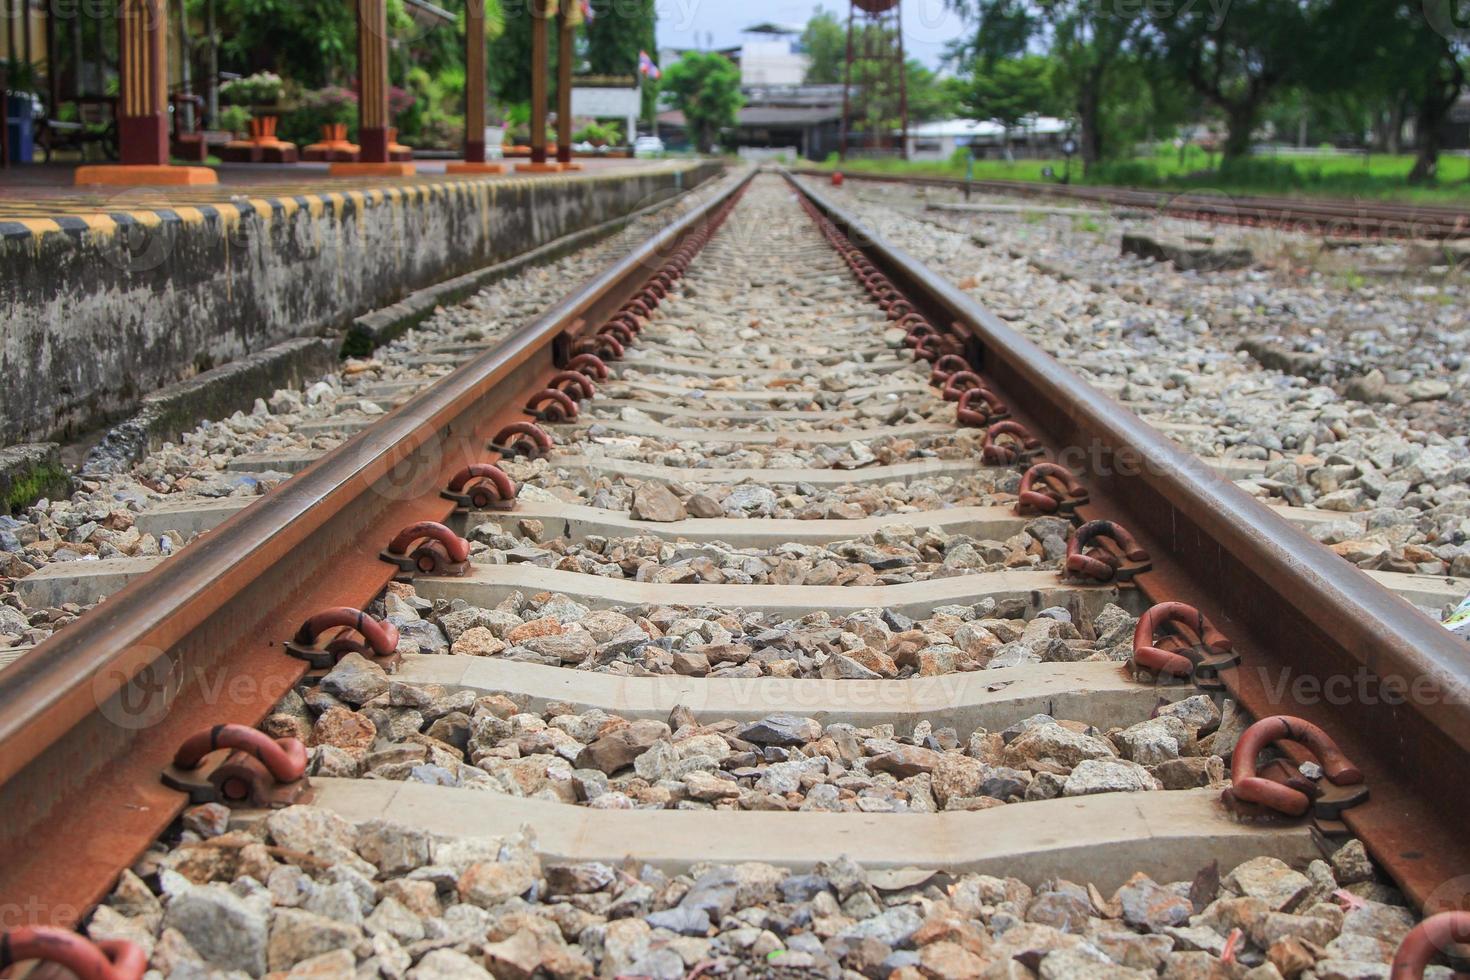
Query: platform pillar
{"x":474,"y":95}
{"x":372,"y":107}
{"x":142,"y":105}
{"x":540,"y":14}
{"x":568,"y":18}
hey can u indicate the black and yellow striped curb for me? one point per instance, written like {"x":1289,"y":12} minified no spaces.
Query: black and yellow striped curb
{"x":102,"y":215}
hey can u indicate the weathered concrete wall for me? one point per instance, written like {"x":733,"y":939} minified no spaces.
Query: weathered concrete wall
{"x":98,"y":313}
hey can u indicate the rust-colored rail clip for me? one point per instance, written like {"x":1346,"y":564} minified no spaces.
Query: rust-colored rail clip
{"x":576,"y":385}
{"x":590,"y":365}
{"x":86,"y":959}
{"x":552,"y":406}
{"x":1008,"y":443}
{"x":522,"y":439}
{"x":960,"y":382}
{"x":945,"y":368}
{"x":239,"y":765}
{"x":1190,"y":646}
{"x":1049,"y":488}
{"x":481,"y":486}
{"x":1437,"y":935}
{"x":991,"y":409}
{"x":428,"y":548}
{"x":1284,"y":789}
{"x":332,"y":634}
{"x":1104,"y":551}
{"x":605,"y":348}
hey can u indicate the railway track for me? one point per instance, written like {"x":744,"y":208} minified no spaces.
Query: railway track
{"x":740,"y":602}
{"x":1323,"y":218}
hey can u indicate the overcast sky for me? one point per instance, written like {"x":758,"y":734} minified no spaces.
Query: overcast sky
{"x":928,"y":25}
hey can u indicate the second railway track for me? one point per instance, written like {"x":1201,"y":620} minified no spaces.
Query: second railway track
{"x":767,"y":546}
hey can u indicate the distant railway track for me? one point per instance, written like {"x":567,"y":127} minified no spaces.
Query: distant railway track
{"x":1325,"y":218}
{"x":1236,"y":603}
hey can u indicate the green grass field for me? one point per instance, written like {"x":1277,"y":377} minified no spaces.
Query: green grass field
{"x":1378,"y":177}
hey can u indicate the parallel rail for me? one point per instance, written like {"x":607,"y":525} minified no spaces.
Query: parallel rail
{"x":1319,"y":638}
{"x":90,"y":718}
{"x":1328,"y":218}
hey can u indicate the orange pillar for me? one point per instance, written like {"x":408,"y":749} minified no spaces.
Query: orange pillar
{"x":142,"y":105}
{"x":567,"y":27}
{"x":372,"y":96}
{"x":474,"y":95}
{"x":540,"y":13}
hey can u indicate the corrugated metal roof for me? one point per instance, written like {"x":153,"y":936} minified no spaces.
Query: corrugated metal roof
{"x":775,"y":115}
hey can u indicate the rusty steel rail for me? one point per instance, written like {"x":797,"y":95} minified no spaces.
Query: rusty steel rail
{"x":1318,"y":638}
{"x":1325,"y":217}
{"x":91,"y":717}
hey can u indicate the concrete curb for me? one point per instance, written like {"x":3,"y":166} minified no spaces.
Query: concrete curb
{"x":29,"y":472}
{"x":379,"y":326}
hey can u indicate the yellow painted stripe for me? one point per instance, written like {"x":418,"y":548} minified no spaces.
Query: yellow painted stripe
{"x":39,"y":226}
{"x":190,"y":216}
{"x":98,"y":223}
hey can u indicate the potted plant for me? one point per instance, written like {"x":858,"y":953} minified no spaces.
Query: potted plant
{"x":496,"y":122}
{"x":594,"y":133}
{"x":261,"y":90}
{"x":235,"y":119}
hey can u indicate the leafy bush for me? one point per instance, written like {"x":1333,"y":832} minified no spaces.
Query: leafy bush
{"x":318,"y":108}
{"x":262,"y":88}
{"x":235,"y":118}
{"x":599,"y":133}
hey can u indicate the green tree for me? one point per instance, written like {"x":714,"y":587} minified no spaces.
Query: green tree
{"x":509,"y":63}
{"x":1399,"y":53}
{"x":1010,"y":89}
{"x":825,"y":43}
{"x":618,"y":30}
{"x":705,"y":87}
{"x":1239,"y":56}
{"x":932,"y":97}
{"x":1091,"y":43}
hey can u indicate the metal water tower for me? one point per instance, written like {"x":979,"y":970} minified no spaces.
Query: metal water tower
{"x":875,"y":41}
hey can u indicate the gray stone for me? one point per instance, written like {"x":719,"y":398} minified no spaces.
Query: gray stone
{"x":1108,"y":776}
{"x":298,"y":935}
{"x":355,"y":680}
{"x":684,"y":920}
{"x":224,"y":928}
{"x":782,"y":729}
{"x":1148,"y":905}
{"x":1271,"y":880}
{"x":895,"y":926}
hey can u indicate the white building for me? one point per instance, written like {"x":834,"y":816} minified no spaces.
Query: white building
{"x":1036,"y":135}
{"x":771,"y":62}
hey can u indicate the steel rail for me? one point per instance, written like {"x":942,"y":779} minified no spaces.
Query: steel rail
{"x":1328,"y":216}
{"x":1318,"y":636}
{"x":89,"y":718}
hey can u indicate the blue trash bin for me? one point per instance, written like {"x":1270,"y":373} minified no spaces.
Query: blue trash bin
{"x":20,"y":129}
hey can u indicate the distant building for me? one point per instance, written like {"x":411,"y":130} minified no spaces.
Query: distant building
{"x":781,"y":115}
{"x":1037,"y":136}
{"x":772,"y":57}
{"x":800,"y":120}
